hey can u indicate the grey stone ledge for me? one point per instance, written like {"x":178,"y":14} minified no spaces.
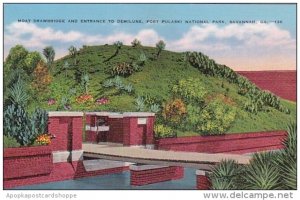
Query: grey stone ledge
{"x":64,"y":114}
{"x":145,"y":167}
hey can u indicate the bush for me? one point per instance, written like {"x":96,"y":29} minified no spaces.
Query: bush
{"x":10,"y":142}
{"x":262,"y":172}
{"x":192,"y":90}
{"x":41,"y":120}
{"x":118,"y":84}
{"x":162,"y":131}
{"x":193,"y":116}
{"x":140,"y":104}
{"x":41,"y":77}
{"x":266,"y":170}
{"x":226,"y":175}
{"x":142,"y":58}
{"x":216,"y":118}
{"x":174,"y":111}
{"x":18,"y":93}
{"x":122,"y":69}
{"x":154,"y":108}
{"x":287,"y":159}
{"x":19,"y":125}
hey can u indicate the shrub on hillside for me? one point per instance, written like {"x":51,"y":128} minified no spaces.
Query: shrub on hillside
{"x":122,"y":69}
{"x":174,"y":111}
{"x":216,"y":118}
{"x":192,"y":90}
{"x":118,"y":84}
{"x":41,"y":77}
{"x":162,"y":131}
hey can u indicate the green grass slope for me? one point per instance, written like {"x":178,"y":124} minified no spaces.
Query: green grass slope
{"x":155,"y":80}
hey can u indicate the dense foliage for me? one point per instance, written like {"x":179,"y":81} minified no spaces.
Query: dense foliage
{"x":23,"y":127}
{"x":192,"y":90}
{"x":123,"y":69}
{"x":162,"y":131}
{"x":216,"y":118}
{"x":41,"y":77}
{"x":257,"y":100}
{"x":266,"y":170}
{"x":174,"y":111}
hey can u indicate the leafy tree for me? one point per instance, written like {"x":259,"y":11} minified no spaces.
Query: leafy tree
{"x":16,"y":57}
{"x":49,"y":53}
{"x":118,"y":45}
{"x":19,"y":63}
{"x":19,"y":59}
{"x":15,"y":62}
{"x":160,"y":46}
{"x":136,"y":43}
{"x":31,"y":60}
{"x":41,"y":77}
{"x":73,"y":53}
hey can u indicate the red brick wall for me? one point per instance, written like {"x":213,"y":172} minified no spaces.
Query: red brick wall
{"x":134,"y":137}
{"x":144,"y":177}
{"x":67,"y":131}
{"x":60,"y":172}
{"x":61,"y":128}
{"x":229,"y":143}
{"x":88,"y":119}
{"x":150,"y":130}
{"x":203,"y":182}
{"x":115,"y":133}
{"x":27,"y":161}
{"x":133,"y":133}
{"x":76,"y":133}
{"x":81,"y":172}
{"x":140,"y":137}
{"x":91,"y":136}
{"x":126,"y":131}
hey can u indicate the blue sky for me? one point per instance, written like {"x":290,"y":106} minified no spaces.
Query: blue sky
{"x":241,"y":46}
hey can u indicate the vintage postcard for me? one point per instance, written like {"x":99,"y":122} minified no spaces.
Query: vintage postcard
{"x":149,"y":96}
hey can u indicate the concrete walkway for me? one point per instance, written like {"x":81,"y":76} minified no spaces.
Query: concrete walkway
{"x":159,"y":157}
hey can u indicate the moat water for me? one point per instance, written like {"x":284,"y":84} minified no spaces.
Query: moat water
{"x":118,"y":181}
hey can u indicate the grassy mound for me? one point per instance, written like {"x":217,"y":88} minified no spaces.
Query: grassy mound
{"x":147,"y":84}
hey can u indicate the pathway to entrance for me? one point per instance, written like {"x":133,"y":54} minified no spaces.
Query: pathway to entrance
{"x":159,"y":157}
